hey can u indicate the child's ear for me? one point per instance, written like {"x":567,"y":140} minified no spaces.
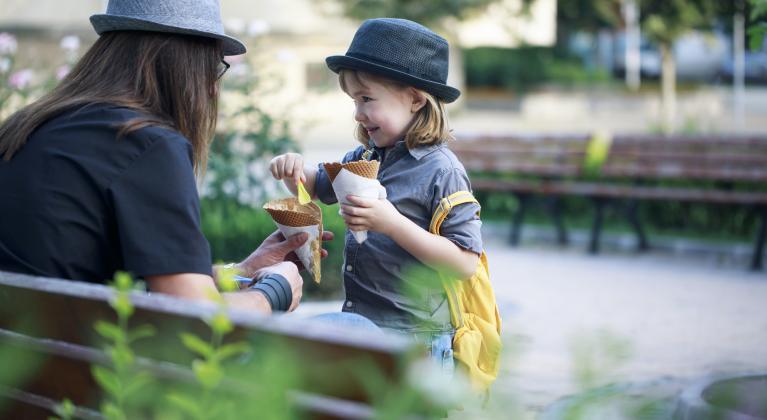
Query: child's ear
{"x":418,"y":100}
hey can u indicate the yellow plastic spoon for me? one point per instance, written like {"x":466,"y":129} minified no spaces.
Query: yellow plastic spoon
{"x":303,"y":195}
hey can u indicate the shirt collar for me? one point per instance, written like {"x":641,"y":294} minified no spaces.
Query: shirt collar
{"x":421,"y":151}
{"x":418,"y":152}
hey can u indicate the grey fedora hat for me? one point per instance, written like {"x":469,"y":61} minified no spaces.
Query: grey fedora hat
{"x":190,"y":17}
{"x":401,"y":50}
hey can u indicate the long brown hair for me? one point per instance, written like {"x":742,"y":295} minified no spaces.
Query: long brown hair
{"x":169,"y":78}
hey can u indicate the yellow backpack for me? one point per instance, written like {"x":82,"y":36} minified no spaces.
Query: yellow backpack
{"x":473,"y":310}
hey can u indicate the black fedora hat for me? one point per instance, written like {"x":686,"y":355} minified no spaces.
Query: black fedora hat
{"x":401,"y":50}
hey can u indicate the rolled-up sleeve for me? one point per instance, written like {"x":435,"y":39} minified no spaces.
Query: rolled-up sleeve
{"x":323,"y":188}
{"x":462,"y":225}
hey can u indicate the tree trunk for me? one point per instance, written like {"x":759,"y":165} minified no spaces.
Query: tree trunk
{"x":668,"y":88}
{"x":632,"y":43}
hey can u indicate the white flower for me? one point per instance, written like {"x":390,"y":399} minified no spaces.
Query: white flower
{"x":70,"y":43}
{"x":8,"y":43}
{"x":258,"y":27}
{"x":62,"y":72}
{"x":21,"y":79}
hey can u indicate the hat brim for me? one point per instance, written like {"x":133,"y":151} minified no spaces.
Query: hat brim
{"x":441,"y":91}
{"x":106,"y":23}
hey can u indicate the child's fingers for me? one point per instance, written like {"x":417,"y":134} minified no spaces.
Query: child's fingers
{"x":298,"y":169}
{"x":357,"y":228}
{"x":347,"y":210}
{"x":354,"y":211}
{"x":359,"y":201}
{"x":281,"y":167}
{"x":274,"y":167}
{"x":350,"y":219}
{"x":289,"y":161}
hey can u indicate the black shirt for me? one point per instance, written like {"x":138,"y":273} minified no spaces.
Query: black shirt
{"x":77,"y":202}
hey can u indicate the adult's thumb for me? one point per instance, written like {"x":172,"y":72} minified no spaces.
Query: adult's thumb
{"x":295,"y":241}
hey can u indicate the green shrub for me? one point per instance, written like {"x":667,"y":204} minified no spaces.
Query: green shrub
{"x":694,"y":220}
{"x":524,"y":68}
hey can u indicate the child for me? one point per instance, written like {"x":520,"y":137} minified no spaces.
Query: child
{"x":395,"y":71}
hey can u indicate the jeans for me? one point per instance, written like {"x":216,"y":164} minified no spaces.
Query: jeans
{"x":438,"y":344}
{"x":347,"y":320}
{"x":440,"y":348}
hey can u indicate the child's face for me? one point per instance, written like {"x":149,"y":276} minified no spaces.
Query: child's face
{"x":386,"y":112}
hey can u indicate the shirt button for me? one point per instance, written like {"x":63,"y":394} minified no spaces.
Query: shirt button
{"x":349,"y":267}
{"x":348,"y":304}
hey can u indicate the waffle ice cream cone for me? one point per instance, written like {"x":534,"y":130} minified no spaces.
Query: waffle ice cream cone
{"x":364,"y":168}
{"x":359,"y":178}
{"x":292,"y":217}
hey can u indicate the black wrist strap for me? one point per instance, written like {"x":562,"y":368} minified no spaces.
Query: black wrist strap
{"x":277,"y":291}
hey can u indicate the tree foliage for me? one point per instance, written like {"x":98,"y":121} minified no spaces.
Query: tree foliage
{"x":429,"y":13}
{"x":663,"y":21}
{"x":757,"y":16}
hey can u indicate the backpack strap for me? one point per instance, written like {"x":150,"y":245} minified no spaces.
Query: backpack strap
{"x":439,"y":216}
{"x":447,"y":204}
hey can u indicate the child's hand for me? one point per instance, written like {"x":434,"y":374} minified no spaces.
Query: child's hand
{"x":289,"y":165}
{"x":377,"y":215}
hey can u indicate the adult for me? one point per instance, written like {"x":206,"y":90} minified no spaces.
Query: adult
{"x":99,"y":174}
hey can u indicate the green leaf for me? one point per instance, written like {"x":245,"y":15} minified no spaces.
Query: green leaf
{"x":225,"y":277}
{"x":107,"y":380}
{"x":122,"y":305}
{"x":186,"y":404}
{"x":123,"y":281}
{"x":141,"y":332}
{"x":112,"y":411}
{"x":596,"y":153}
{"x":221,"y":324}
{"x":108,"y":330}
{"x":137,"y":382}
{"x":65,"y":409}
{"x":756,"y":36}
{"x":230,"y":350}
{"x":195,"y":344}
{"x":208,"y":374}
{"x":122,"y":357}
{"x":759,"y":8}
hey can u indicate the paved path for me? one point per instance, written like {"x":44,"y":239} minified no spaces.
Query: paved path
{"x":668,"y":317}
{"x":633,"y":317}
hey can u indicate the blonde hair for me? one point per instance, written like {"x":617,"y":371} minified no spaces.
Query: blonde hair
{"x":430,"y":125}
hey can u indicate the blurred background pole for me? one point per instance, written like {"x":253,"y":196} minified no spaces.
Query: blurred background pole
{"x":739,"y":60}
{"x":631,"y":17}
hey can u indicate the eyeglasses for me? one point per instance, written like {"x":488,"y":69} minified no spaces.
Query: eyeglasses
{"x":223,"y":66}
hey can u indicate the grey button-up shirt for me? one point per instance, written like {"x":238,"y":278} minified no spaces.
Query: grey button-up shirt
{"x":384,"y":282}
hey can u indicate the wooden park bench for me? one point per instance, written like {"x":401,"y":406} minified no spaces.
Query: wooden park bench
{"x":698,"y":169}
{"x":49,"y":325}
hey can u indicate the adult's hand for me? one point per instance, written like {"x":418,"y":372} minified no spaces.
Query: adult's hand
{"x":290,"y":272}
{"x":275,"y":249}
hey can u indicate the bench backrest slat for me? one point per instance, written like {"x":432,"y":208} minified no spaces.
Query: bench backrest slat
{"x":54,"y":319}
{"x":705,"y":158}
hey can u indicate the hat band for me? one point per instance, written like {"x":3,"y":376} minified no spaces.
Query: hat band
{"x":394,"y":66}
